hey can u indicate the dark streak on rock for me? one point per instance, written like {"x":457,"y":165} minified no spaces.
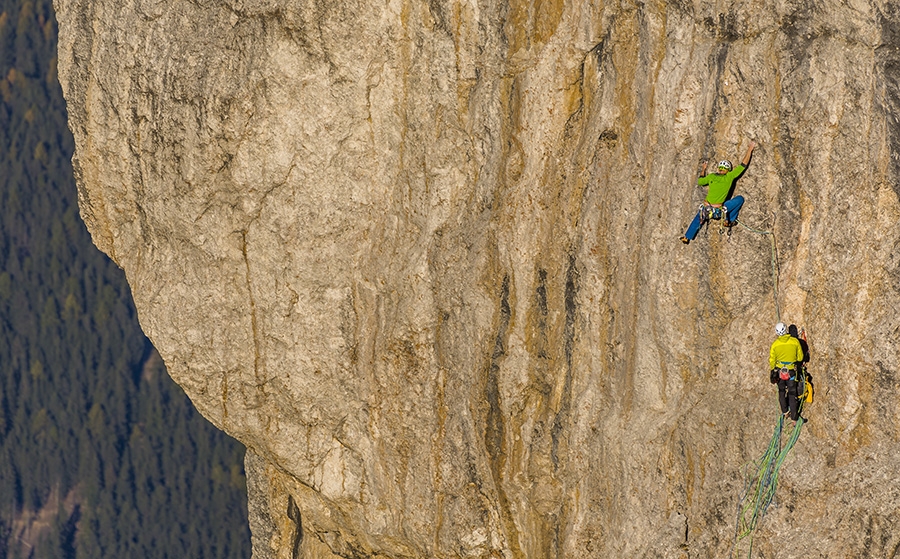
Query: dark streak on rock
{"x":293,"y":512}
{"x":571,"y":307}
{"x":608,"y":139}
{"x":888,"y":62}
{"x":727,"y":29}
{"x":543,"y":312}
{"x":440,"y":19}
{"x":892,"y":265}
{"x":562,"y":415}
{"x":599,"y":51}
{"x":887,"y":385}
{"x":718,"y":58}
{"x":797,"y":29}
{"x":542,"y":293}
{"x":797,"y":24}
{"x":494,"y":435}
{"x":253,"y":319}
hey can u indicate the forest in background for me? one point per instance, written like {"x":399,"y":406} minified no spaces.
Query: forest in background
{"x":101,"y":454}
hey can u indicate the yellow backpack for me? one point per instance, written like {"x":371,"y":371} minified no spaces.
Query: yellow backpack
{"x":806,"y":396}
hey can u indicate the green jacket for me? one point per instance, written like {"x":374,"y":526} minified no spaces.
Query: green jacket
{"x":785,"y":352}
{"x":720,"y":185}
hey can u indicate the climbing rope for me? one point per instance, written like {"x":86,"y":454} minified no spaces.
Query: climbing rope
{"x":761,"y":476}
{"x":760,"y":481}
{"x":774,"y":262}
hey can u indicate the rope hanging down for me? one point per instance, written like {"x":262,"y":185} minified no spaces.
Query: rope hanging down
{"x":760,"y":481}
{"x":774,"y":262}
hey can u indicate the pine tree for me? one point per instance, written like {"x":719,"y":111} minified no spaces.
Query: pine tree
{"x":91,"y":426}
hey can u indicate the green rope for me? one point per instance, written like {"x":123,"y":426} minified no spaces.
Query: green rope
{"x":761,"y":476}
{"x":774,"y":262}
{"x":760,"y":482}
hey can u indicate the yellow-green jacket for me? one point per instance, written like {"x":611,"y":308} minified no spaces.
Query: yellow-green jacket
{"x":785,"y":352}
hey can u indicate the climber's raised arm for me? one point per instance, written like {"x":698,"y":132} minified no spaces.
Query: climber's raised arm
{"x":746,"y":160}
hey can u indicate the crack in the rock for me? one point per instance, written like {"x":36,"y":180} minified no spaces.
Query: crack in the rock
{"x":495,"y":435}
{"x":253,"y":318}
{"x":293,"y":512}
{"x":562,"y":415}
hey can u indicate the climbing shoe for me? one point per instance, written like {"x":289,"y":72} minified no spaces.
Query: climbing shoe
{"x":684,"y":239}
{"x":729,"y":223}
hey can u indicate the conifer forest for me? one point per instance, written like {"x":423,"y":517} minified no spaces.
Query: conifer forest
{"x":101,"y":454}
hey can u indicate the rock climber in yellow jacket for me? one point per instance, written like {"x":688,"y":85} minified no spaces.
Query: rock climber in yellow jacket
{"x":785,"y":358}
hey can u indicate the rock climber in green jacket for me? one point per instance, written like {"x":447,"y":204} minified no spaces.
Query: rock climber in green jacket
{"x":717,"y":204}
{"x":785,"y":359}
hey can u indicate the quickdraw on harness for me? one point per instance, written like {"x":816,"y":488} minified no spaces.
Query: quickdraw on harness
{"x":787,"y":371}
{"x":708,"y":212}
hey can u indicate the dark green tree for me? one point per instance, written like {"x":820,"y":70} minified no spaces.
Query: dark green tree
{"x":94,"y":436}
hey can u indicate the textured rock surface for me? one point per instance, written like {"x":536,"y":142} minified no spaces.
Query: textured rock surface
{"x":422,"y":259}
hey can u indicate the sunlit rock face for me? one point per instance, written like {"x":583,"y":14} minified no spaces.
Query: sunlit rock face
{"x":422,"y":258}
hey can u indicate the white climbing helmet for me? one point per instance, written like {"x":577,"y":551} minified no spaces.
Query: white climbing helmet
{"x":780,"y":329}
{"x":725,"y":164}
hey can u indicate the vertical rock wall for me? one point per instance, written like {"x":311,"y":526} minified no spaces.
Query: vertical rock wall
{"x":422,"y":259}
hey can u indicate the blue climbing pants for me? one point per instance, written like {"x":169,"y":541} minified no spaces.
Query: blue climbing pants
{"x":733,"y":206}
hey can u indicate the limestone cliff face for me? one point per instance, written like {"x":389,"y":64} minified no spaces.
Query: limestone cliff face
{"x":422,"y":259}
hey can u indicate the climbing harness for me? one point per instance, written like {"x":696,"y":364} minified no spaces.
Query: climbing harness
{"x":708,"y":212}
{"x":786,"y":371}
{"x":760,"y":481}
